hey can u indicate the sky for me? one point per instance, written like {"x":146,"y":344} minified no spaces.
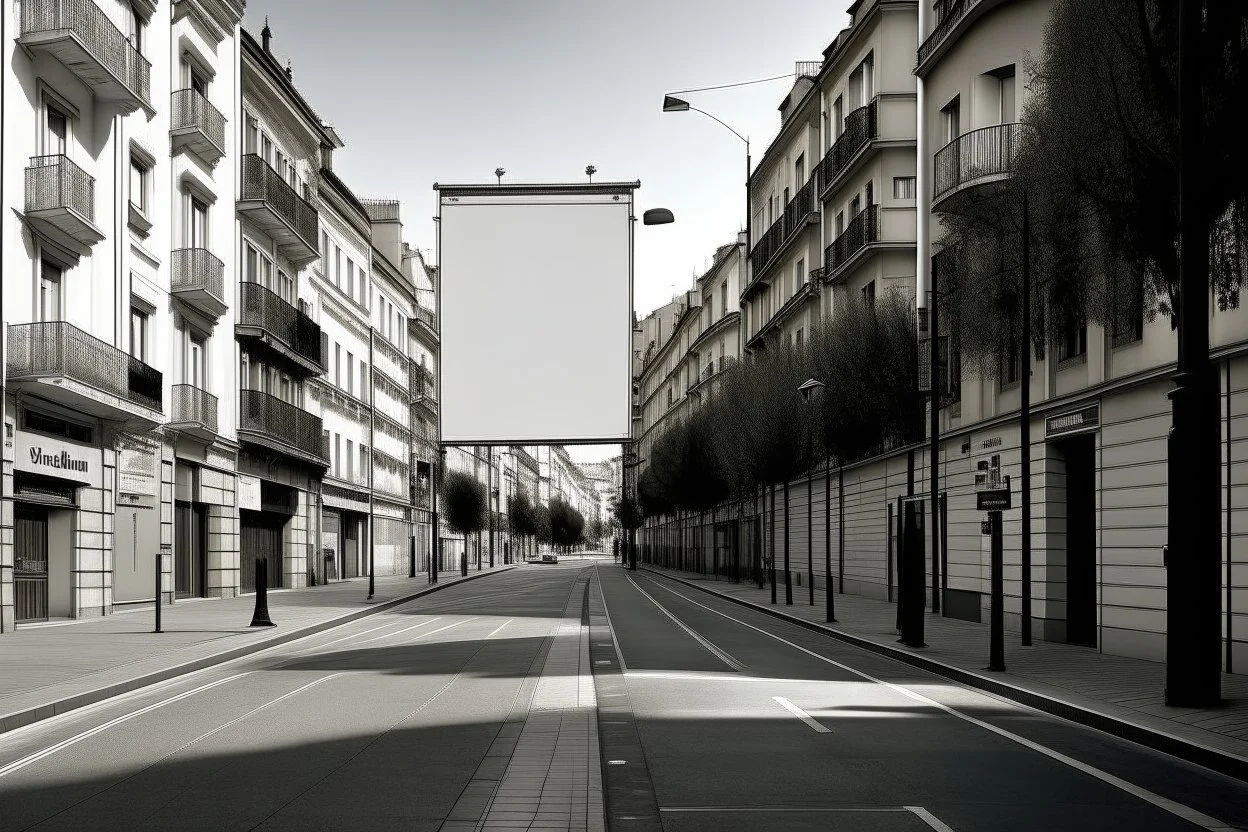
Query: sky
{"x":426,"y":91}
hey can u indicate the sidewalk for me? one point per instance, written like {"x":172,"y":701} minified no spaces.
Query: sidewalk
{"x":1120,"y":695}
{"x":55,"y":668}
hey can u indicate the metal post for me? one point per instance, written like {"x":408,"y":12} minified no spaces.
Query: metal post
{"x":372,"y":450}
{"x":934,"y":448}
{"x":260,"y":616}
{"x":996,"y":653}
{"x":840,"y":525}
{"x":912,"y":576}
{"x":1024,"y":427}
{"x":810,"y":537}
{"x":1193,"y":567}
{"x":435,"y":548}
{"x":827,"y":539}
{"x":160,"y":566}
{"x":489,"y":492}
{"x":788,"y":572}
{"x":771,"y":560}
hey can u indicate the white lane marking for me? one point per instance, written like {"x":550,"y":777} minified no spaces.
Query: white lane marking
{"x":77,"y":738}
{"x":398,"y":632}
{"x":619,"y":654}
{"x":930,"y":819}
{"x":770,"y":809}
{"x":802,"y":715}
{"x":252,"y":712}
{"x":499,"y":628}
{"x":310,"y":648}
{"x":711,"y":648}
{"x":717,"y":676}
{"x":1185,"y":812}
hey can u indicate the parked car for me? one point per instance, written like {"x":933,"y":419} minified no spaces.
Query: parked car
{"x":550,"y":558}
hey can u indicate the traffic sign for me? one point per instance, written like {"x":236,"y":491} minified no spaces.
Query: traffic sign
{"x":996,"y":500}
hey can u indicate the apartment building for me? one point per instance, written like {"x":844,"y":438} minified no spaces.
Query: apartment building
{"x":832,"y":201}
{"x":111,"y":301}
{"x":422,"y":352}
{"x":688,"y":343}
{"x":283,"y":454}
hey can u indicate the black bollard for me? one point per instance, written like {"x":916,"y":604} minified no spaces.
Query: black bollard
{"x":260,"y":618}
{"x":159,"y":566}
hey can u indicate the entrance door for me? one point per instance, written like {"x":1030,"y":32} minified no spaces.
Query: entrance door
{"x":188,"y":570}
{"x":261,"y":538}
{"x":1080,"y":453}
{"x":30,"y":573}
{"x":350,"y":546}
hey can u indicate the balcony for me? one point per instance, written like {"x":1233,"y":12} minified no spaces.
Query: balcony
{"x":60,"y":200}
{"x":58,"y":361}
{"x":194,"y":411}
{"x":797,"y":213}
{"x":79,"y":34}
{"x":952,"y":18}
{"x":198,"y":280}
{"x":976,"y":158}
{"x":271,"y":204}
{"x":861,"y":127}
{"x":862,"y":230}
{"x":425,"y":323}
{"x":281,"y":426}
{"x":197,"y":126}
{"x":424,"y":391}
{"x":262,"y":315}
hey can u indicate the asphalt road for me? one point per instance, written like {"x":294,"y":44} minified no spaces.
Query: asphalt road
{"x":378,"y":724}
{"x":744,"y":722}
{"x":749,"y":723}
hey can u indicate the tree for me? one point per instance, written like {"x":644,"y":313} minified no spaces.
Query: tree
{"x":567,"y":525}
{"x":1129,"y":156}
{"x":522,"y":514}
{"x":463,"y":505}
{"x":541,"y":520}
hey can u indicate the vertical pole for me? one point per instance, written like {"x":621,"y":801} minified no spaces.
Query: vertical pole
{"x":944,"y":544}
{"x":840,"y":525}
{"x":829,"y":590}
{"x":160,"y":565}
{"x":1024,"y":426}
{"x":933,"y":462}
{"x":771,"y":559}
{"x":1230,"y":583}
{"x":788,"y":572}
{"x":996,"y":650}
{"x":912,"y":576}
{"x":435,"y":552}
{"x":372,"y":450}
{"x":1194,"y":564}
{"x":810,"y":537}
{"x":489,"y":493}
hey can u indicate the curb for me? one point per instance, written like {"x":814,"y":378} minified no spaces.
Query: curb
{"x":1223,"y":762}
{"x":20,"y":719}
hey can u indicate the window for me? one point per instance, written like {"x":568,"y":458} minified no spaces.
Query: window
{"x":286,"y":287}
{"x":266,"y":148}
{"x":134,"y":29}
{"x":364,"y":386}
{"x":350,"y":460}
{"x":350,"y":279}
{"x":951,"y":122}
{"x":286,"y":391}
{"x":337,"y":461}
{"x":196,"y":80}
{"x":840,"y":223}
{"x":324,"y":254}
{"x":723,"y":297}
{"x":868,"y":293}
{"x":56,"y":130}
{"x":903,"y":187}
{"x":138,"y":333}
{"x":838,"y":117}
{"x":196,"y":223}
{"x":337,"y":266}
{"x":253,"y":135}
{"x":950,"y":369}
{"x":196,"y":350}
{"x":364,"y":469}
{"x":855,"y":207}
{"x":1004,"y":94}
{"x":799,"y":171}
{"x":350,"y":376}
{"x":798,"y":338}
{"x":50,"y":276}
{"x":799,"y":275}
{"x":855,"y":89}
{"x":338,"y":366}
{"x":1074,"y":340}
{"x":867,"y":68}
{"x":140,"y":173}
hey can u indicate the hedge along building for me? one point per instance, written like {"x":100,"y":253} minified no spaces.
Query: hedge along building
{"x":113,"y":116}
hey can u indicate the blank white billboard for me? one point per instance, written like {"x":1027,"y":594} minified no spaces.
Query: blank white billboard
{"x":535,"y":313}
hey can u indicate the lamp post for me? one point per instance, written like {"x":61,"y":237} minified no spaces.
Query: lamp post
{"x":807,"y":389}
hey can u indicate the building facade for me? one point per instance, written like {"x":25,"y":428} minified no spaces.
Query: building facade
{"x":114,"y":305}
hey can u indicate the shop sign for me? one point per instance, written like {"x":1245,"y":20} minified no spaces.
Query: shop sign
{"x":1077,"y":421}
{"x":248,"y":492}
{"x":53,"y":457}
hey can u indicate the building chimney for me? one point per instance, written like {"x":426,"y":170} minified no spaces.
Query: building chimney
{"x":266,"y":34}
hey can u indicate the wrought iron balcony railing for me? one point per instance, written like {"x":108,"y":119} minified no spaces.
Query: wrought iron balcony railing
{"x":982,"y":155}
{"x":198,"y":277}
{"x":421,"y":383}
{"x":287,"y":217}
{"x":799,"y":207}
{"x":861,"y":231}
{"x":861,"y":126}
{"x":194,"y":408}
{"x":296,"y":334}
{"x":80,"y":35}
{"x":193,"y":121}
{"x":61,"y":194}
{"x":57,"y":348}
{"x":281,"y":423}
{"x":948,"y":15}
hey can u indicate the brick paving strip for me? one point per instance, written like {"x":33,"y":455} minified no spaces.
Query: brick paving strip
{"x":51,"y":670}
{"x":1120,"y":695}
{"x":542,"y":771}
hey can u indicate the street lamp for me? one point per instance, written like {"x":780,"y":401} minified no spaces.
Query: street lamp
{"x":672,"y":104}
{"x":808,"y":389}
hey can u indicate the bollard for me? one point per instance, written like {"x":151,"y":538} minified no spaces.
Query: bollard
{"x":260,"y":618}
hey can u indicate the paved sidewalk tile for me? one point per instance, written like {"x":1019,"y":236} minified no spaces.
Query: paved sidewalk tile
{"x":66,"y":663}
{"x":1121,"y":688}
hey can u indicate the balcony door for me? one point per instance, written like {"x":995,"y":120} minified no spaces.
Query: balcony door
{"x":55,"y":130}
{"x":196,"y":350}
{"x":196,"y":223}
{"x":50,"y":280}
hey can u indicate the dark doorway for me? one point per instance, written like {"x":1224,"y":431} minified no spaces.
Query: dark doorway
{"x":1080,"y":458}
{"x":350,"y":546}
{"x":188,"y":571}
{"x":30,"y":572}
{"x":261,"y":538}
